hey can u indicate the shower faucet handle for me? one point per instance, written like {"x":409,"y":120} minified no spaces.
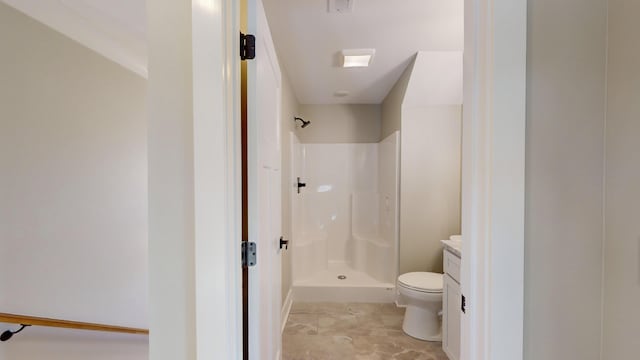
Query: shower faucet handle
{"x":300,"y":185}
{"x":284,"y":243}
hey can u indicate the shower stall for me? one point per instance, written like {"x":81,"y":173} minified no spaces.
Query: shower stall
{"x":345,"y":220}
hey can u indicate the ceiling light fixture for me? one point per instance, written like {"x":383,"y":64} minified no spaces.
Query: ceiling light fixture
{"x":357,"y":57}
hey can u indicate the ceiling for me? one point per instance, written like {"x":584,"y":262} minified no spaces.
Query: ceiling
{"x":309,"y":39}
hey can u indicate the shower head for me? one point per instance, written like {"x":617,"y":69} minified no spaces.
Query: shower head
{"x":305,"y":123}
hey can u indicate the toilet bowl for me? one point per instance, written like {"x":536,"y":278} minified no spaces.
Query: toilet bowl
{"x":421,"y":292}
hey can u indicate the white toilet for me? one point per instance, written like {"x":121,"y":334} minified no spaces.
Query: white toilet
{"x":421,"y":292}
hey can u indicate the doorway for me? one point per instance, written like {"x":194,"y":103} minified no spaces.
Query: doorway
{"x":478,"y":175}
{"x":343,"y":185}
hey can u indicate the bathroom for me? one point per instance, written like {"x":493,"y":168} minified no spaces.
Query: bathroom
{"x":371,"y":178}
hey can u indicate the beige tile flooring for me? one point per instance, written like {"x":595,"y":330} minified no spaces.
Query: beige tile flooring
{"x":334,"y":331}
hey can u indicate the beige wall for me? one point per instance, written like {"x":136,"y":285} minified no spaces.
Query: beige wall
{"x":429,"y":184}
{"x":73,"y":190}
{"x":430,"y":164}
{"x":564,"y":171}
{"x":340,"y":123}
{"x":392,"y":104}
{"x":289,"y":110}
{"x":430,"y":172}
{"x":622,"y":242}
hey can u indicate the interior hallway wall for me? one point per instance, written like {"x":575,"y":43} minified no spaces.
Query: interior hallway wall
{"x":73,"y":194}
{"x":331,"y":124}
{"x":622,"y":233}
{"x":289,"y":110}
{"x":564,"y":179}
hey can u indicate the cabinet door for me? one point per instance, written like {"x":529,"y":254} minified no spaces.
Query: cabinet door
{"x":451,"y":318}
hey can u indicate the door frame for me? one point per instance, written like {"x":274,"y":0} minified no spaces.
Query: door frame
{"x":194,"y":150}
{"x":494,"y":158}
{"x":493,"y":184}
{"x":217,"y":166}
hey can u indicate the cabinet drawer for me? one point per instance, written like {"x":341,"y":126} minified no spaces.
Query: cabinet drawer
{"x":452,"y":265}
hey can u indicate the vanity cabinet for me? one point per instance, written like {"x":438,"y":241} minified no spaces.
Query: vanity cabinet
{"x":451,"y":302}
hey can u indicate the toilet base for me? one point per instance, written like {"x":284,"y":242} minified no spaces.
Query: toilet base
{"x":422,"y":324}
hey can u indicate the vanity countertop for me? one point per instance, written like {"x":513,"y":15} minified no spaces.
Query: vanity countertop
{"x":453,"y":246}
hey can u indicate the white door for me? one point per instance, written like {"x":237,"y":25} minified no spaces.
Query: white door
{"x":263,"y":106}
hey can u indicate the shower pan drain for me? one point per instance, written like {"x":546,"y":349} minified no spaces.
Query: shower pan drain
{"x":342,"y":277}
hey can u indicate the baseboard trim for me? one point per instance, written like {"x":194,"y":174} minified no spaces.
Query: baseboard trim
{"x":286,"y":308}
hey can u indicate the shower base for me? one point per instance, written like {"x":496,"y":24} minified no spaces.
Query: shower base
{"x":326,"y":286}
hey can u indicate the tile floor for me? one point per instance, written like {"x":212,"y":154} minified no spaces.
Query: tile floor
{"x":333,"y":331}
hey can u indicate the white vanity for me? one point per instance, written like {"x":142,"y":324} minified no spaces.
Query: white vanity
{"x":451,"y":299}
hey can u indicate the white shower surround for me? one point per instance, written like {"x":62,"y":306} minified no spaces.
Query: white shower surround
{"x":345,"y":221}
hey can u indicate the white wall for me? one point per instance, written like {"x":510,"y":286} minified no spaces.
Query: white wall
{"x":564,"y":171}
{"x":436,"y":79}
{"x":171,"y":228}
{"x":622,"y":242}
{"x":37,"y":343}
{"x":340,"y":124}
{"x":289,"y":110}
{"x":429,"y":184}
{"x":392,"y":104}
{"x":73,"y":190}
{"x":425,"y":105}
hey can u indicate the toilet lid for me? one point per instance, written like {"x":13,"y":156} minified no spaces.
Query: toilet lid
{"x":422,"y":281}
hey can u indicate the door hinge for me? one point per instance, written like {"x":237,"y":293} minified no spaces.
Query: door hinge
{"x":247,"y":46}
{"x":249,"y":254}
